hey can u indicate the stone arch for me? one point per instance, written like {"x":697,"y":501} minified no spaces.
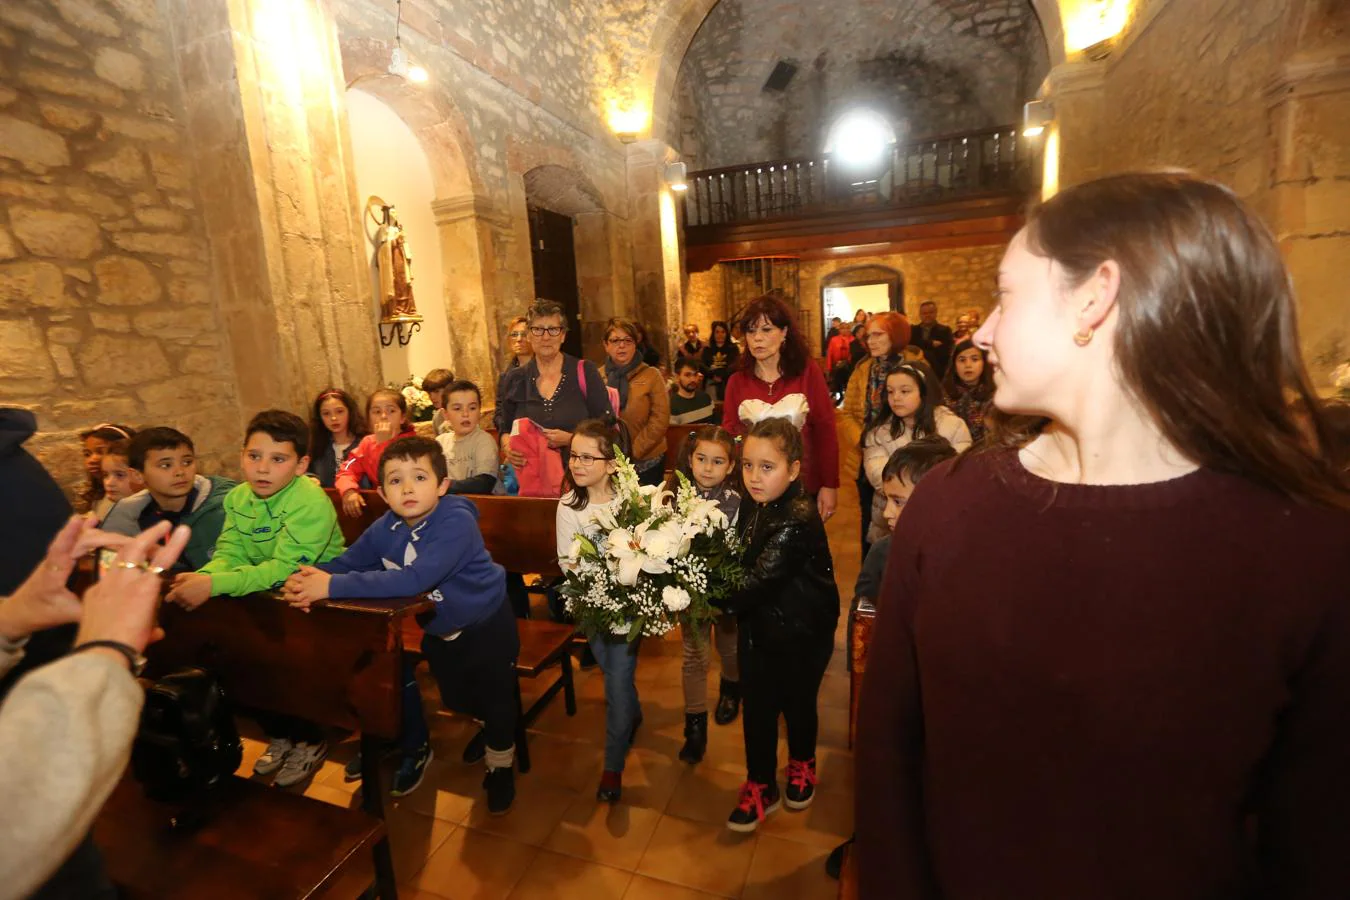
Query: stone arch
{"x":427,"y":110}
{"x":675,"y":28}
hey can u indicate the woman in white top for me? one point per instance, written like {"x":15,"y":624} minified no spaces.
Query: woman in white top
{"x":913,"y":410}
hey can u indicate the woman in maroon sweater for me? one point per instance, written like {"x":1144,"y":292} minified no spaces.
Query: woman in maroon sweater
{"x":775,"y":367}
{"x":1112,"y":657}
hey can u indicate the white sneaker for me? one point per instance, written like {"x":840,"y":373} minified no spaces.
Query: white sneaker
{"x":301,"y":762}
{"x":273,"y":756}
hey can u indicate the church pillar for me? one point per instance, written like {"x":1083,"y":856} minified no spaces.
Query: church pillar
{"x":1310,"y":128}
{"x":1074,"y":144}
{"x":465,"y":227}
{"x":653,"y":213}
{"x":263,"y":90}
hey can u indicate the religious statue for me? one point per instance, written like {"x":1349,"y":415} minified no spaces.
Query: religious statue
{"x":394,"y":261}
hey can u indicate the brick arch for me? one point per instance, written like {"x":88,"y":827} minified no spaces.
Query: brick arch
{"x":675,"y":29}
{"x":426,"y":109}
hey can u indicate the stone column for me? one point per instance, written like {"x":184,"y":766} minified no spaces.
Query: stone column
{"x":1310,"y":129}
{"x":1077,"y":89}
{"x":263,"y":89}
{"x":653,"y":213}
{"x":465,"y":225}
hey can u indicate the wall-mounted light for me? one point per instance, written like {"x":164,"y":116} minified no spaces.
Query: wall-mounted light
{"x":1036,"y":117}
{"x":677,"y":176}
{"x":626,"y":121}
{"x":398,"y":60}
{"x":1092,"y":31}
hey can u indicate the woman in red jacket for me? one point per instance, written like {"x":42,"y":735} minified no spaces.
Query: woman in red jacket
{"x":777,"y":370}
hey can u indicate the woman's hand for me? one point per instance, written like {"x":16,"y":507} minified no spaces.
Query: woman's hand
{"x":43,"y":601}
{"x":826,"y":501}
{"x":556,"y":437}
{"x":353,"y":503}
{"x":121,"y":606}
{"x":514,"y":457}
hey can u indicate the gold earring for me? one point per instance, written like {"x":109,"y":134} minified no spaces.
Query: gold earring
{"x":1084,"y":337}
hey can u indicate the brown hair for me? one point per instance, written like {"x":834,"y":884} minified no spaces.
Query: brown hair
{"x":627,"y":326}
{"x":713,"y":434}
{"x":401,"y":400}
{"x":781,"y":432}
{"x":437,"y":379}
{"x":415,"y":448}
{"x":319,"y":435}
{"x":611,"y":435}
{"x":794,"y":356}
{"x":543,"y":309}
{"x":952,"y":383}
{"x":1207,"y":338}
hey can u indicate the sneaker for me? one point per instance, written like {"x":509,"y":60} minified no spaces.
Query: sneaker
{"x":801,"y":783}
{"x":476,"y":749}
{"x":411,"y":770}
{"x":301,"y":763}
{"x":611,"y":787}
{"x":755,"y":803}
{"x":501,"y":790}
{"x":352,"y":771}
{"x":273,"y":756}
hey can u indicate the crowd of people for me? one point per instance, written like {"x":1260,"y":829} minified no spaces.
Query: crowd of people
{"x":1112,"y":624}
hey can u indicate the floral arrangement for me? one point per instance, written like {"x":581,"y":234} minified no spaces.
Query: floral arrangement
{"x":655,"y":559}
{"x":419,"y":401}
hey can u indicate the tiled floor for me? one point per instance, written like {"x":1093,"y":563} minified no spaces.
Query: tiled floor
{"x":665,"y":841}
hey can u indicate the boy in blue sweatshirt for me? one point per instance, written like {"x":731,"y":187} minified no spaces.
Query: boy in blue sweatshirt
{"x":430,"y":543}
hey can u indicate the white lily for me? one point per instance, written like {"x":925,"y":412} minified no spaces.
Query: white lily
{"x":637,"y":551}
{"x":604,"y":517}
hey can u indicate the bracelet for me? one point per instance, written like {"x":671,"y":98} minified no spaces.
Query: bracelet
{"x":134,"y":659}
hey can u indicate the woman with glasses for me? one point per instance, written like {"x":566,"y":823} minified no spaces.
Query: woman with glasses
{"x":644,"y":404}
{"x":522,"y":351}
{"x":554,"y":390}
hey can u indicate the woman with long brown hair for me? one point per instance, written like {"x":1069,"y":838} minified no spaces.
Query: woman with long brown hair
{"x":1112,"y":652}
{"x":777,"y":371}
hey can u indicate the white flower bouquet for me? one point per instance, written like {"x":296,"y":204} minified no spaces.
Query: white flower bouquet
{"x":653,"y":560}
{"x":419,"y":401}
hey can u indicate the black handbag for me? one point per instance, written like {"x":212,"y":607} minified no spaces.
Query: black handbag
{"x":187,"y":742}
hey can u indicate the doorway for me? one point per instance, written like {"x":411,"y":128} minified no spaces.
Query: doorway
{"x":871,"y":289}
{"x":554,"y":257}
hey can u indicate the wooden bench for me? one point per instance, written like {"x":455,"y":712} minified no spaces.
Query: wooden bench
{"x":252,"y":841}
{"x":862,"y":616}
{"x":520,"y":534}
{"x":339,"y":666}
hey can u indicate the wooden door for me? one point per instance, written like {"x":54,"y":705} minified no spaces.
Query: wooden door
{"x":555,"y":269}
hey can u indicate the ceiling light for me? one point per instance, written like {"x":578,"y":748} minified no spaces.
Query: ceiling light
{"x":860,"y":138}
{"x":398,"y":60}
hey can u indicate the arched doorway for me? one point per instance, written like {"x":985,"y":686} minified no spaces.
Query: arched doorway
{"x":870,"y":288}
{"x":388,"y":162}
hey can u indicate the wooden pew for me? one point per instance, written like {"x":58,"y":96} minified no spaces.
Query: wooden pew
{"x":861,"y":617}
{"x":520,"y":534}
{"x":339,"y":666}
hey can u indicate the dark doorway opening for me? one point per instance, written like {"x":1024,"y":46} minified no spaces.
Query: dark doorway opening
{"x":555,"y":269}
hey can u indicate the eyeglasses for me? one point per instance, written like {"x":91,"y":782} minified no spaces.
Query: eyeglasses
{"x":621,"y":342}
{"x":550,"y":330}
{"x":586,"y":459}
{"x":516,"y":335}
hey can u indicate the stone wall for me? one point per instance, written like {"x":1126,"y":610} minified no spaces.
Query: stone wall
{"x":1262,"y":103}
{"x":931,"y":66}
{"x":956,"y":280}
{"x":106,"y":298}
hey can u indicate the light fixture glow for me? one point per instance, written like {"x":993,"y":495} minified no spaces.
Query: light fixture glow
{"x":626,"y":121}
{"x":1036,"y":117}
{"x":677,"y":176}
{"x":860,"y":138}
{"x":1096,"y":23}
{"x":398,"y":60}
{"x":417,"y":74}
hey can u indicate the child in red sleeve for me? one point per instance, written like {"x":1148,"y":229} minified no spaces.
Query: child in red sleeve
{"x":387,"y":413}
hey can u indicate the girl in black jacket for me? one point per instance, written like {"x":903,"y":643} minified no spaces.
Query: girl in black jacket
{"x":787,"y":614}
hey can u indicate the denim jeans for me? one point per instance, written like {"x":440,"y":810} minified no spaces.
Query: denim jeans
{"x":618,"y":661}
{"x":415,"y":734}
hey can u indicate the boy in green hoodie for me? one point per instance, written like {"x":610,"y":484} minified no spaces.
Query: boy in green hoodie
{"x":275,"y":522}
{"x":174,"y":493}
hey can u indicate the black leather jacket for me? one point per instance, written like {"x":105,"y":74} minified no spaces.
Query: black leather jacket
{"x":790,"y":595}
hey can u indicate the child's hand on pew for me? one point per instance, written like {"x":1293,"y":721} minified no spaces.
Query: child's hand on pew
{"x":306,"y":587}
{"x":190,"y":590}
{"x":353,"y":503}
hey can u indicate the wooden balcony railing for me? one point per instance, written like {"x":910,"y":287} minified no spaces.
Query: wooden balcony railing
{"x":993,"y":161}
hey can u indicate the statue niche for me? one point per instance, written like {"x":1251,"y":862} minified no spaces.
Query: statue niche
{"x":393,"y":263}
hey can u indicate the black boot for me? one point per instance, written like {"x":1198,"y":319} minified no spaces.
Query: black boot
{"x":728,"y":702}
{"x":695,"y":737}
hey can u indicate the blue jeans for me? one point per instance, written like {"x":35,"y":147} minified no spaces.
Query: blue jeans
{"x":415,"y":734}
{"x":618,"y":661}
